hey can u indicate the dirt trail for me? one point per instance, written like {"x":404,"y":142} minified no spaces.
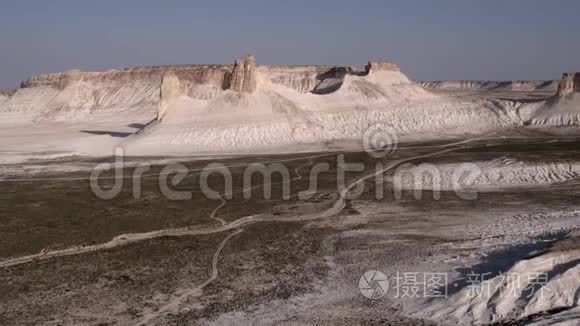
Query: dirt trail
{"x":173,"y":304}
{"x":129,"y":238}
{"x":335,"y":209}
{"x":223,"y":201}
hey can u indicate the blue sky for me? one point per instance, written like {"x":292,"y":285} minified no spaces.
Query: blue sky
{"x":445,"y":39}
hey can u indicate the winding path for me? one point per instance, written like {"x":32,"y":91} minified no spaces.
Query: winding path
{"x":129,"y":238}
{"x":173,"y":304}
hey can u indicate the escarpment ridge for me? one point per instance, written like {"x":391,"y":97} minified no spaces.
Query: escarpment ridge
{"x":480,"y":85}
{"x":290,"y":108}
{"x":240,"y":77}
{"x":241,"y":108}
{"x":76,"y":94}
{"x":569,"y":84}
{"x":563,"y":109}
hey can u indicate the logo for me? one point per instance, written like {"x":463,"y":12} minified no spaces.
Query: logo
{"x":379,"y":140}
{"x":373,"y":284}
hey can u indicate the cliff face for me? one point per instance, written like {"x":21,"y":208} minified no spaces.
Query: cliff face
{"x":560,"y":110}
{"x":300,"y":78}
{"x":243,"y":76}
{"x":333,"y":79}
{"x":381,"y":65}
{"x":477,"y":85}
{"x":233,"y":108}
{"x":4,"y":95}
{"x":74,"y":94}
{"x":170,"y":90}
{"x":569,"y":84}
{"x":206,"y":74}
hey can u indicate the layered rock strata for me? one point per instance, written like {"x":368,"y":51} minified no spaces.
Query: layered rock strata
{"x":74,"y":94}
{"x":381,"y":65}
{"x":170,"y":90}
{"x":481,"y":85}
{"x":569,"y":84}
{"x":243,"y":76}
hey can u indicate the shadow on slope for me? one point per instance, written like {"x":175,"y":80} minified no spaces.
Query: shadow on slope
{"x":118,"y":134}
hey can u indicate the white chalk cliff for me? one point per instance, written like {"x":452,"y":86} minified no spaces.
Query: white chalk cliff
{"x":260,"y":111}
{"x":479,"y":85}
{"x":245,"y":107}
{"x":561,"y":110}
